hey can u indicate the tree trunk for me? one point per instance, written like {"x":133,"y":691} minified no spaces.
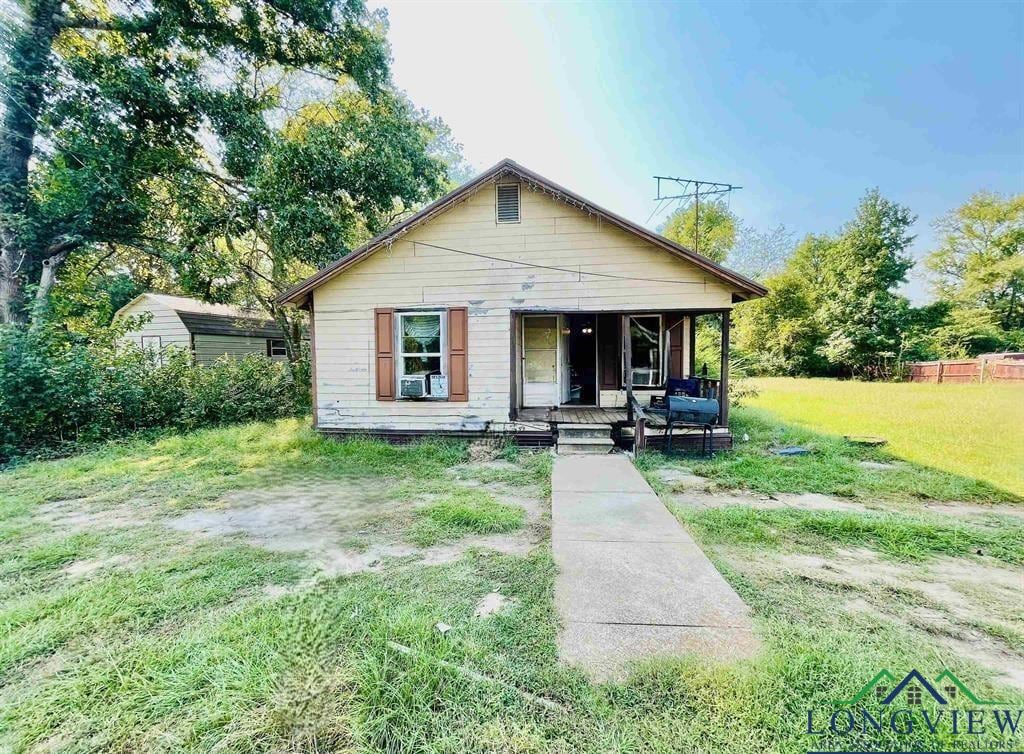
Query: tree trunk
{"x":22,"y":103}
{"x":10,"y":283}
{"x":47,"y":277}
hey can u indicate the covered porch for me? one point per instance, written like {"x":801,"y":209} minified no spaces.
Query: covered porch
{"x":604,"y":368}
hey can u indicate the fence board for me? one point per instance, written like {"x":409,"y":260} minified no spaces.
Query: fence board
{"x":963,"y":371}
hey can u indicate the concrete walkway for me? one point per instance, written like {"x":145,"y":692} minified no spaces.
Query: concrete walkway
{"x":632,"y":583}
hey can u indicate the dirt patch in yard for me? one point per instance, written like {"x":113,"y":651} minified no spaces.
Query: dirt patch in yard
{"x":82,"y":568}
{"x":79,"y":514}
{"x":695,"y":497}
{"x":806,"y":501}
{"x":972,"y":510}
{"x":943,"y":597}
{"x":351,"y":526}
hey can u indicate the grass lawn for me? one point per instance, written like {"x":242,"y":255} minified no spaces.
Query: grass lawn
{"x":973,"y":431}
{"x":172,"y":595}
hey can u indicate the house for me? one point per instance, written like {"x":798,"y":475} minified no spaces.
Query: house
{"x":209,"y":331}
{"x":510,"y":306}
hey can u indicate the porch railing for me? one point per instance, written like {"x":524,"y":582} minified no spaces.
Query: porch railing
{"x":639,"y":425}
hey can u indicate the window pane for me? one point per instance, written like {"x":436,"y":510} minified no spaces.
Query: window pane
{"x":541,"y":366}
{"x":645,"y":342}
{"x":540,"y":332}
{"x":421,"y":365}
{"x":421,"y":345}
{"x":421,"y":333}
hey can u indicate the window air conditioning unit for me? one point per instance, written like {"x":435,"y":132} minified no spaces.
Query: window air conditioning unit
{"x":645,"y":376}
{"x":413,"y":387}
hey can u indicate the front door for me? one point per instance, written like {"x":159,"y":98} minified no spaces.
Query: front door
{"x":541,"y":360}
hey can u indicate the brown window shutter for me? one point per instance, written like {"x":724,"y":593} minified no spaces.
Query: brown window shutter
{"x":609,"y":349}
{"x":384,"y":335}
{"x":676,"y":330}
{"x":458,"y":354}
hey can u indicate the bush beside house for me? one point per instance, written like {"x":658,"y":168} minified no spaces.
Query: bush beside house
{"x":58,"y":390}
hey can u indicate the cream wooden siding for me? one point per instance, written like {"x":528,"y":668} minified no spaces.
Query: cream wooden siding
{"x":413,"y":275}
{"x":209,"y":348}
{"x":165,"y":322}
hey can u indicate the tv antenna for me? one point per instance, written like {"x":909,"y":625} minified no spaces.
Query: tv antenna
{"x":679,"y":190}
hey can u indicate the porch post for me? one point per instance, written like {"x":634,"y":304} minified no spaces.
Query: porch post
{"x":723,"y":383}
{"x":693,"y":346}
{"x":627,"y":367}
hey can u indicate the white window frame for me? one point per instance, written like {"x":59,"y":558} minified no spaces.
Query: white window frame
{"x":158,"y":351}
{"x":519,"y":203}
{"x":270,"y":347}
{"x":662,"y":355}
{"x":400,"y":355}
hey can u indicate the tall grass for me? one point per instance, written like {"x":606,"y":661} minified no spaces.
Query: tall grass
{"x":973,"y":431}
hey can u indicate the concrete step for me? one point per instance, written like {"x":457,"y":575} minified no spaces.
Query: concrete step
{"x":584,"y":445}
{"x":584,"y":430}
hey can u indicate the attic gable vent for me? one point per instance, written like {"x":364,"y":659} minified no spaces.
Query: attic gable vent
{"x":507,"y":202}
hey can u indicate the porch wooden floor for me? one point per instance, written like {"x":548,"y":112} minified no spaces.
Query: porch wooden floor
{"x":583,"y":415}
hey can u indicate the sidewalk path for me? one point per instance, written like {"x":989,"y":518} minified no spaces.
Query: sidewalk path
{"x":632,"y":583}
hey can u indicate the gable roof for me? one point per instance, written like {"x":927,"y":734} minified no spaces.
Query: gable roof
{"x":200,"y":317}
{"x":297,"y":294}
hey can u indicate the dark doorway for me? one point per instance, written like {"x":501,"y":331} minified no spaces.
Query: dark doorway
{"x":582,"y":343}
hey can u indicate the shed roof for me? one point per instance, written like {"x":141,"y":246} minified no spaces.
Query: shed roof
{"x":221,"y":324}
{"x":298,"y":294}
{"x":201,"y":317}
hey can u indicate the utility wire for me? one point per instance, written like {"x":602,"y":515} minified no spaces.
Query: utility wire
{"x":558,"y":269}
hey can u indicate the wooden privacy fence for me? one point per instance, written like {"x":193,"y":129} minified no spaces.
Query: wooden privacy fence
{"x":997,"y":368}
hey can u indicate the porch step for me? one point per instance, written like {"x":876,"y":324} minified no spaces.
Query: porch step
{"x":584,"y":430}
{"x":584,"y":439}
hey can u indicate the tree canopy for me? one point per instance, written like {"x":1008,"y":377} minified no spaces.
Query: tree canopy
{"x":117,"y":116}
{"x":710,"y":231}
{"x":977,"y":272}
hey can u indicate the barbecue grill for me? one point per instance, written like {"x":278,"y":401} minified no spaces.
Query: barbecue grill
{"x":684,"y":411}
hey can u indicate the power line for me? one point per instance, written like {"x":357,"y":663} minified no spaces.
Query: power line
{"x":557,"y":269}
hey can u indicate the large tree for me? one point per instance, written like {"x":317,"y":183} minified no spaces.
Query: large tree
{"x":110,"y":112}
{"x":859,"y":306}
{"x":978,"y":272}
{"x":781,"y":333}
{"x":299,"y":196}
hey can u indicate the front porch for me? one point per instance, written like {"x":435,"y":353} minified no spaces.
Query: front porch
{"x":623,"y":428}
{"x":604,"y":368}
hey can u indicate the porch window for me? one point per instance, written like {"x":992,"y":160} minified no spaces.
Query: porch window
{"x":645,"y":342}
{"x":420,"y":343}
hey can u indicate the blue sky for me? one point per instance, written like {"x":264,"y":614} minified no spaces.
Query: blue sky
{"x":804,"y":105}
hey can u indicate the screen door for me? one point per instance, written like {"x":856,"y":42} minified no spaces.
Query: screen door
{"x":540,"y":360}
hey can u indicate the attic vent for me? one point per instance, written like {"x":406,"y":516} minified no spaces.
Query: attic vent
{"x":507,"y":202}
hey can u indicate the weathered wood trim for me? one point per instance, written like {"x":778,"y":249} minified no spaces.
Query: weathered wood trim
{"x":458,"y":354}
{"x":608,"y":352}
{"x":523,"y":438}
{"x":674,"y":325}
{"x":312,"y":361}
{"x":384,"y":337}
{"x":627,"y":364}
{"x":693,"y":345}
{"x":514,"y":371}
{"x":723,"y":380}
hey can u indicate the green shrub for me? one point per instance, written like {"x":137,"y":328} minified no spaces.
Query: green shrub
{"x":58,"y":390}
